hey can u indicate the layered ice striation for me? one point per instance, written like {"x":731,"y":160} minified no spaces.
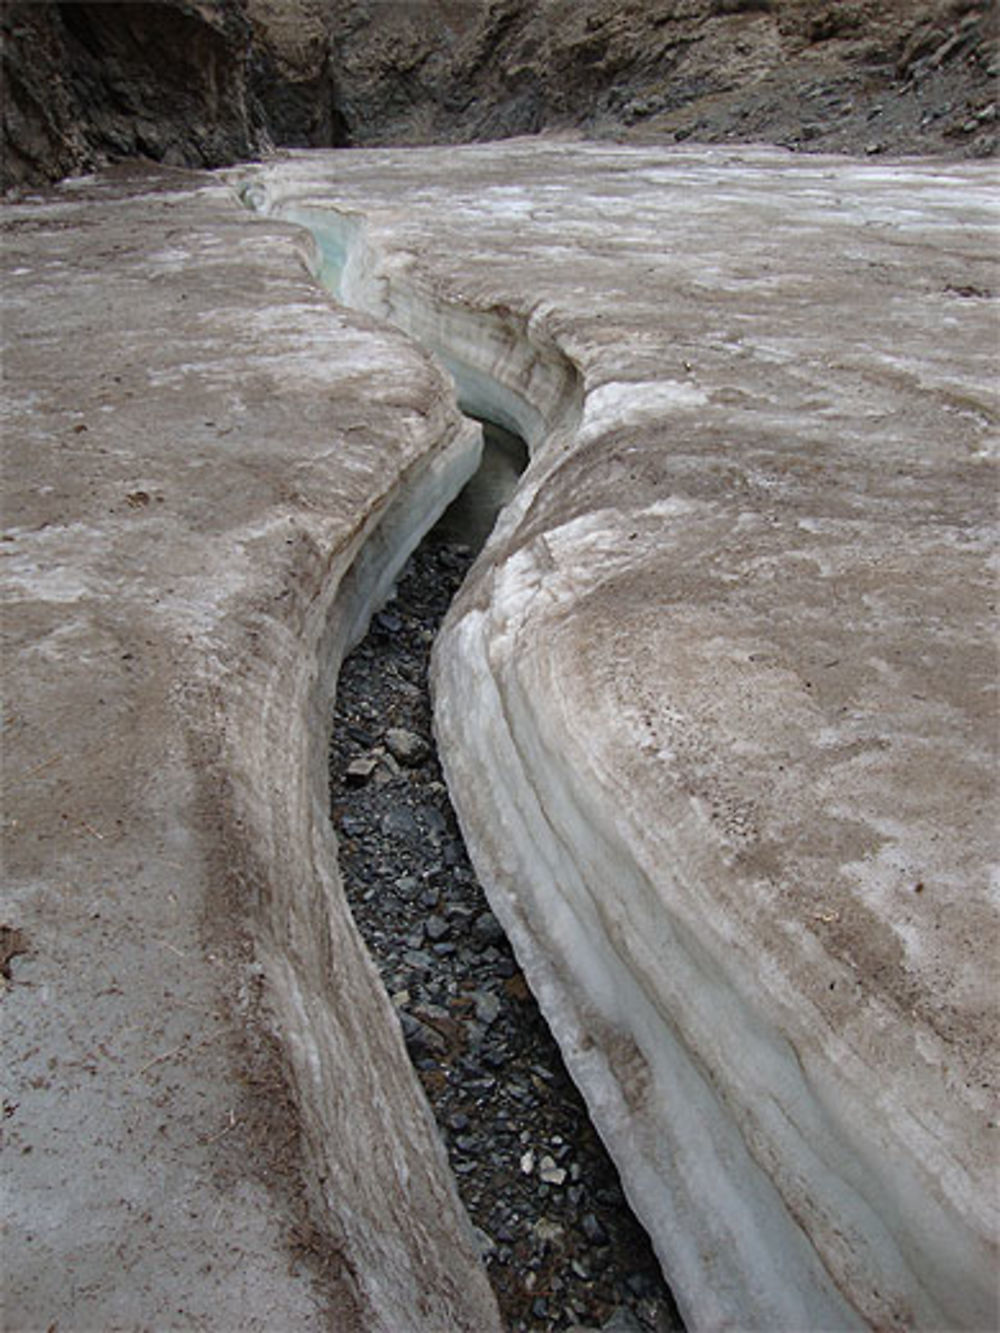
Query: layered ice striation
{"x":272,"y":460}
{"x":714,"y":703}
{"x":506,"y":370}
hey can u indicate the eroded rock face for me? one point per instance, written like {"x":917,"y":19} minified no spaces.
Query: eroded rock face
{"x":85,"y":83}
{"x":866,"y":75}
{"x":211,"y":476}
{"x":211,"y":83}
{"x":716,"y":705}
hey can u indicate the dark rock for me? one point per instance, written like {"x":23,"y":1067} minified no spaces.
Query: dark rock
{"x":421,"y":1038}
{"x":90,"y":82}
{"x":436,"y":928}
{"x":432,"y":818}
{"x":400,"y":822}
{"x":487,"y":929}
{"x":406,"y":746}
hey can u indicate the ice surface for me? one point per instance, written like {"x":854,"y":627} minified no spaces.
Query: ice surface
{"x":716,"y":706}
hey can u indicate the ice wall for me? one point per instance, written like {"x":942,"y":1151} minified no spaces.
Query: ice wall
{"x":504,"y":370}
{"x":706,"y":805}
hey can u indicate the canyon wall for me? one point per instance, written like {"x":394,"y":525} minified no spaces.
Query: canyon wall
{"x":204,"y":84}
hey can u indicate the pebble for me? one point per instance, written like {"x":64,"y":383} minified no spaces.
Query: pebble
{"x":487,"y":929}
{"x":553,"y":1227}
{"x":549,"y":1172}
{"x":359,"y":770}
{"x":547,"y":1231}
{"x":622,"y":1321}
{"x":418,"y":959}
{"x":593,"y":1230}
{"x":400,"y":822}
{"x":406,"y":746}
{"x":436,"y":927}
{"x":487,"y":1007}
{"x":419,"y":1036}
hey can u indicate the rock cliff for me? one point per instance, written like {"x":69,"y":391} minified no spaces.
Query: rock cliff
{"x":207,"y":83}
{"x":89,"y":83}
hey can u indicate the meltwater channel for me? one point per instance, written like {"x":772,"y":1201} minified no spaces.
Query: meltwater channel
{"x":558,"y":1239}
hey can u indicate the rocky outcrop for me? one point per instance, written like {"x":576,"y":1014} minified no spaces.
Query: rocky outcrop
{"x":714,"y":705}
{"x":87,"y":83}
{"x":211,"y":83}
{"x":833,"y":75}
{"x":291,"y":72}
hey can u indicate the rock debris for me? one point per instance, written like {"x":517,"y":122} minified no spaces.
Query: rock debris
{"x":559,"y":1242}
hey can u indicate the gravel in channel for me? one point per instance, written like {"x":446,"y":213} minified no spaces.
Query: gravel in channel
{"x":560,"y":1244}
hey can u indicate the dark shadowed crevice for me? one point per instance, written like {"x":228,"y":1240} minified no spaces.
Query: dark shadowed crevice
{"x":470,"y":517}
{"x":558,"y":1239}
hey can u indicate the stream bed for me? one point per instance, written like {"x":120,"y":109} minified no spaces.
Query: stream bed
{"x":558,"y":1239}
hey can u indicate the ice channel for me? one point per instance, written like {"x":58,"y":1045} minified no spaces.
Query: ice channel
{"x":504,"y":372}
{"x":521,"y":390}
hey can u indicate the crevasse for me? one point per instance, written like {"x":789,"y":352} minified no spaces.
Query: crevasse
{"x":508,"y":369}
{"x":759,"y":1181}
